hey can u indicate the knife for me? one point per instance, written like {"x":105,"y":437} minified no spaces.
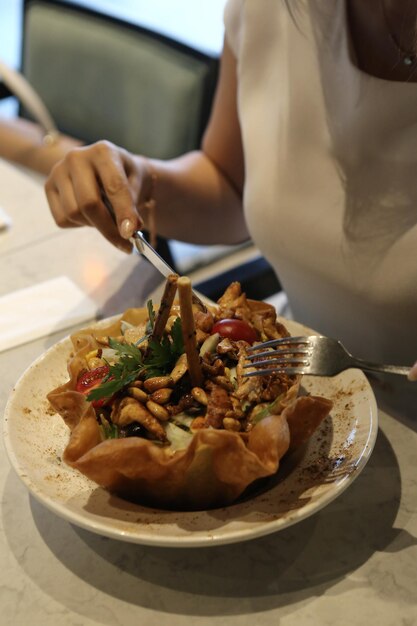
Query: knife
{"x":144,"y":248}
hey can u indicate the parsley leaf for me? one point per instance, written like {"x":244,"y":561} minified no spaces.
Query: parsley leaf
{"x":128,"y":350}
{"x":122,"y":373}
{"x":162,"y":355}
{"x":108,"y":429}
{"x":177,"y":338}
{"x":159,"y":359}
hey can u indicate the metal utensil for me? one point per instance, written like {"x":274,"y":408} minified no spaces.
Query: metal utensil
{"x":144,"y":248}
{"x":314,"y":356}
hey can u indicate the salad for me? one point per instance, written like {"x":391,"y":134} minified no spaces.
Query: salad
{"x":159,"y":407}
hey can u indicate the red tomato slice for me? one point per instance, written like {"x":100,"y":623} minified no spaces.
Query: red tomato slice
{"x":235,"y":329}
{"x":91,"y":379}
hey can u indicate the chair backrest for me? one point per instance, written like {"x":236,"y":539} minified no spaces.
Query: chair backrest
{"x":103,"y":78}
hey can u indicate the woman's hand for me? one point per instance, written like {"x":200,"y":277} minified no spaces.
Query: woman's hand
{"x":76,"y":186}
{"x":198,"y":195}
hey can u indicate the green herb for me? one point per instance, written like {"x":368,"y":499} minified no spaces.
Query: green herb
{"x":151,"y":315}
{"x":142,"y":340}
{"x":108,"y":429}
{"x":162,"y":355}
{"x":177,"y":338}
{"x":158,"y":360}
{"x":268,"y":410}
{"x":122,"y":373}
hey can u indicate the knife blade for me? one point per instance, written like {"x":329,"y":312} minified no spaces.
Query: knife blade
{"x":144,"y":248}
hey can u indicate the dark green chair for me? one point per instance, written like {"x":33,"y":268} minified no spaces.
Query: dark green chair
{"x":104,"y":78}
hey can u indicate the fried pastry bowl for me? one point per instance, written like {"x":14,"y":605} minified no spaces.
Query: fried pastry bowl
{"x":213,"y":465}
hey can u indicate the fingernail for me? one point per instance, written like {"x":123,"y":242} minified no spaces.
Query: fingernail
{"x":412,"y":374}
{"x":127,"y":228}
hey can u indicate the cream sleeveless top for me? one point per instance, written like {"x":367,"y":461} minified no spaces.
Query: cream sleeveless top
{"x":331,"y":174}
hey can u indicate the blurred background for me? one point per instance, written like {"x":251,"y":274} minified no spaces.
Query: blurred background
{"x":65,"y":60}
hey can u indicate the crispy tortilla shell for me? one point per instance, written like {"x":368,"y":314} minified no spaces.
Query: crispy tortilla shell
{"x":215,"y":468}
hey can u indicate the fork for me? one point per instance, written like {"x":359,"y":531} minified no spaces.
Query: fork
{"x":315,"y":355}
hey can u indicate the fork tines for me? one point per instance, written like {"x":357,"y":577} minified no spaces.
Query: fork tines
{"x":289,"y":353}
{"x":282,"y":341}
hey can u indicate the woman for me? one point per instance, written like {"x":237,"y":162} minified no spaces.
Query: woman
{"x":310,"y":148}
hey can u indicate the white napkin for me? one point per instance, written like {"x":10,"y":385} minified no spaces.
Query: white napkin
{"x":37,"y":311}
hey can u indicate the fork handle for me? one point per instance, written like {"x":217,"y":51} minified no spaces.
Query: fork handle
{"x":375,"y":367}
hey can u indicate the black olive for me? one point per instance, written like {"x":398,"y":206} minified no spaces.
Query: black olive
{"x":134,"y":430}
{"x":182,"y":387}
{"x":194,"y":410}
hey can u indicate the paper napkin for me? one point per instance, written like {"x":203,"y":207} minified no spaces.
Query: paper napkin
{"x":45,"y":308}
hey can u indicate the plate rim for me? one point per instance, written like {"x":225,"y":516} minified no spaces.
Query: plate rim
{"x":196,"y":538}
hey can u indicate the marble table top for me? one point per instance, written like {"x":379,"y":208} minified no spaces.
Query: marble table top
{"x":354,"y":562}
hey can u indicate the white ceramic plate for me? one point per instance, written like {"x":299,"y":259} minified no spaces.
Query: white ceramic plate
{"x":35,"y":438}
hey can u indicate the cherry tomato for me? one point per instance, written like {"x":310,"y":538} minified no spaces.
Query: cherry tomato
{"x":91,"y":379}
{"x":235,"y":329}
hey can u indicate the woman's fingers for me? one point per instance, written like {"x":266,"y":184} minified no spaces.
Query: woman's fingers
{"x":110,"y":170}
{"x":87,"y":179}
{"x":63,"y":204}
{"x":112,"y":165}
{"x":89,"y":198}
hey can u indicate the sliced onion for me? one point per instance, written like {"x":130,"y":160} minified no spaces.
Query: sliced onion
{"x":178,"y":437}
{"x":183,"y":419}
{"x":109,"y":355}
{"x":125,"y":325}
{"x":210,"y":344}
